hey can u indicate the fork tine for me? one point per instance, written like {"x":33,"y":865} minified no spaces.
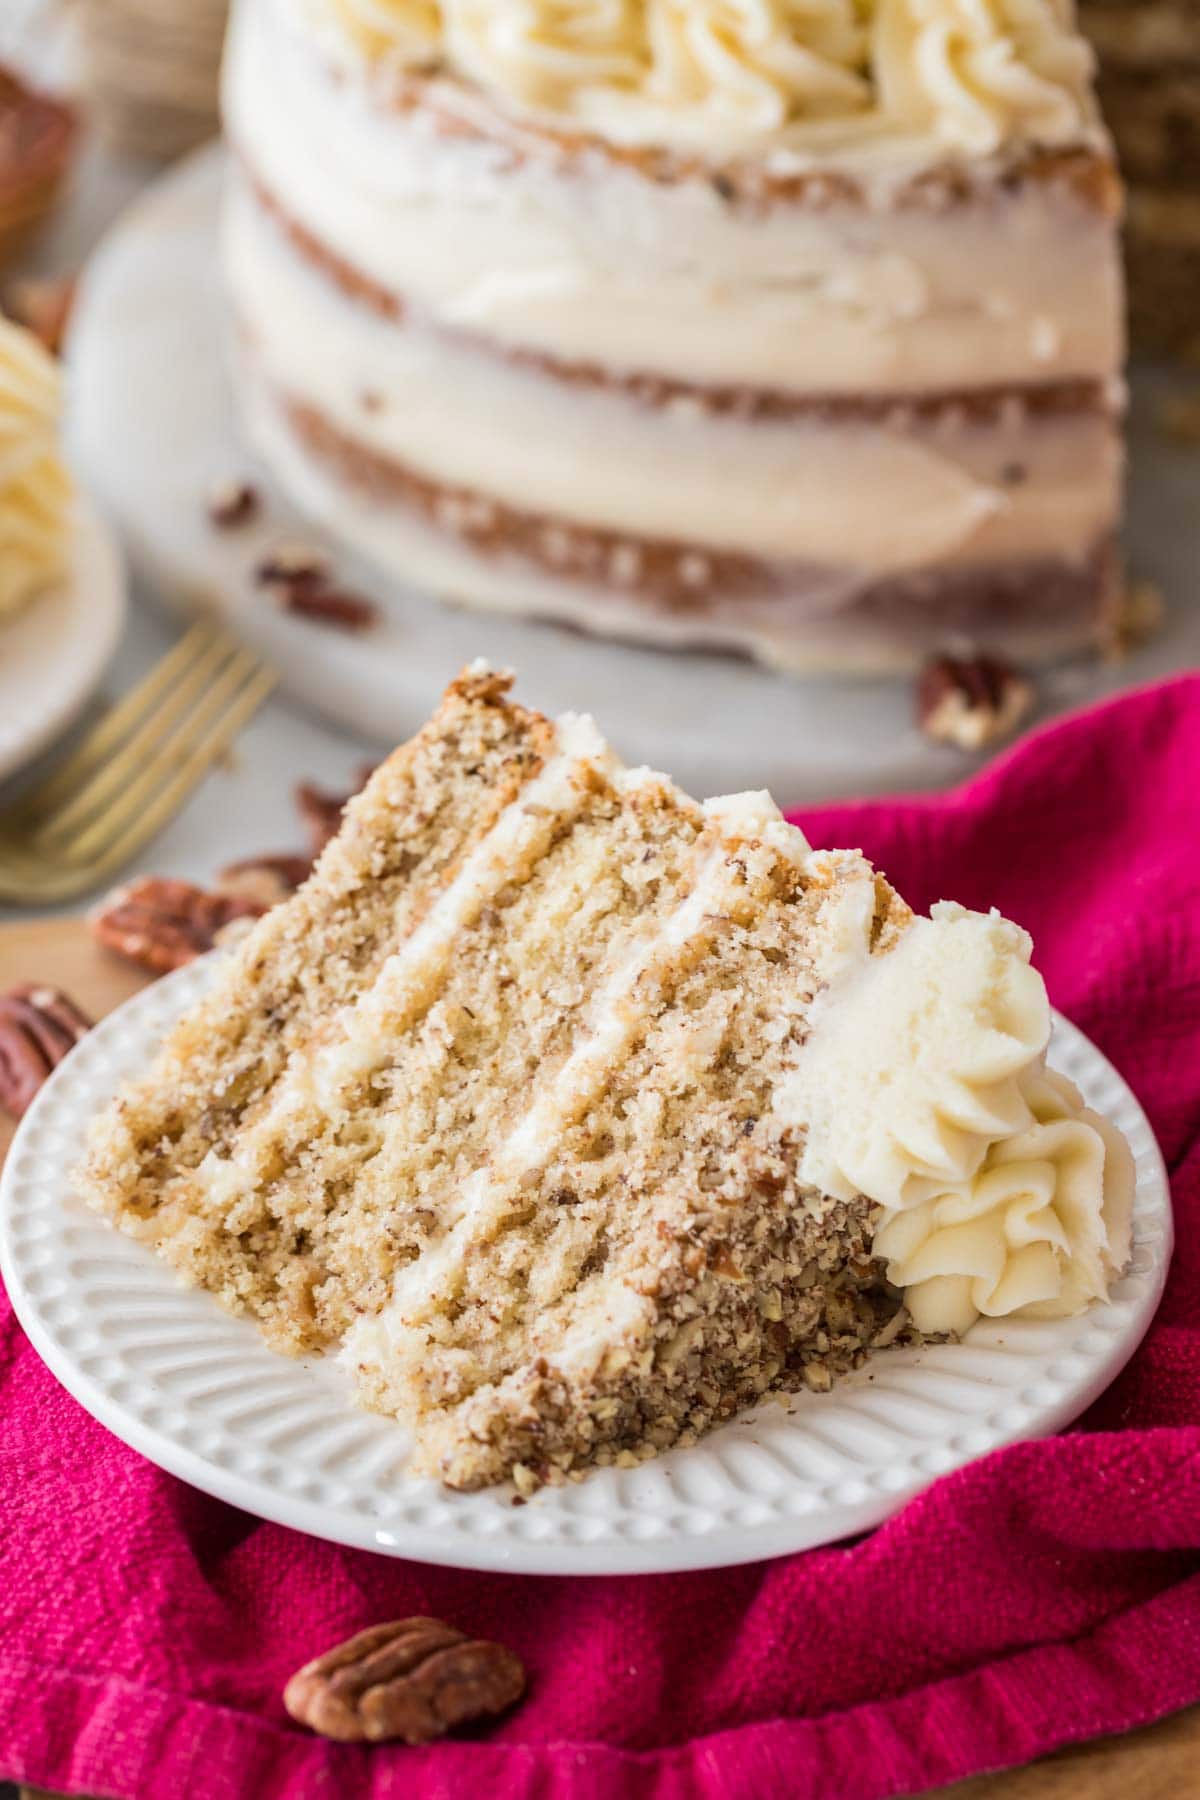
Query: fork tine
{"x":103,"y":823}
{"x":108,"y":733}
{"x":136,"y":757}
{"x":150,"y":819}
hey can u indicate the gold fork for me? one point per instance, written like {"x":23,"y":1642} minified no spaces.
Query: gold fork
{"x":133,"y":771}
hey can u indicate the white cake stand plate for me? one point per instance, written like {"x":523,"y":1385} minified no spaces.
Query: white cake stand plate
{"x":155,"y":428}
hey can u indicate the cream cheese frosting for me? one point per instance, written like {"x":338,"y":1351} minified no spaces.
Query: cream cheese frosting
{"x":923,"y":1085}
{"x":35,"y":489}
{"x":971,"y":74}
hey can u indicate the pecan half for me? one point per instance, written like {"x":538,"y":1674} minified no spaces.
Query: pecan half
{"x":161,"y":924}
{"x":38,"y":1025}
{"x":413,"y":1679}
{"x":971,"y":702}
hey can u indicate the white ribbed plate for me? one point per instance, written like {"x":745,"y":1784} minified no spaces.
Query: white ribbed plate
{"x":200,"y":1394}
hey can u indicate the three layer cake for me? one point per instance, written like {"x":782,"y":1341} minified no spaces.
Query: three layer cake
{"x":578,"y":1115}
{"x":789,"y":328}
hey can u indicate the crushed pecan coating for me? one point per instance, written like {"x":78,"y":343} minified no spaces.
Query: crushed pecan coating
{"x":38,"y":1026}
{"x":161,"y":924}
{"x":412,"y":1679}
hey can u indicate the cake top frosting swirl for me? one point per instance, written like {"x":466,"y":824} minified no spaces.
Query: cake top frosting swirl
{"x":35,"y":489}
{"x":970,"y":75}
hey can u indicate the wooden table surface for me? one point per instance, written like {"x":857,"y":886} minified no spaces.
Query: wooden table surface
{"x":1159,"y":1763}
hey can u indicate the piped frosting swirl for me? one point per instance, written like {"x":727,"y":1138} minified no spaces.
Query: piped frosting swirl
{"x":923,"y":1086}
{"x":968,"y":74}
{"x":35,"y":489}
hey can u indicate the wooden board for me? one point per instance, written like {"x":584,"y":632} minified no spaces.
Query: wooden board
{"x":1160,"y":1763}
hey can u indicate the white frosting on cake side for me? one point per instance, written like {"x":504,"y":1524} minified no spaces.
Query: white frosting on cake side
{"x":787,"y":488}
{"x":975,"y":74}
{"x":923,"y":1086}
{"x":35,"y":489}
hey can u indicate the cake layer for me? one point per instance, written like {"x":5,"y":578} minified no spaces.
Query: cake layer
{"x":1009,"y":475}
{"x":890,"y":282}
{"x":468,"y":547}
{"x":217,"y":1072}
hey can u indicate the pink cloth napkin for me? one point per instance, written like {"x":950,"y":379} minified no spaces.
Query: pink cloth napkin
{"x":1048,"y":1593}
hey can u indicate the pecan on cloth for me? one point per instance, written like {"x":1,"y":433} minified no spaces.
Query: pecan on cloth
{"x":412,"y":1679}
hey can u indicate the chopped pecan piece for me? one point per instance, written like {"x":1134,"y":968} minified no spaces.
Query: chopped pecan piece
{"x":290,"y":565}
{"x":302,"y":582}
{"x":162,"y":924}
{"x":265,"y":879}
{"x":38,"y":1025}
{"x":971,"y":702}
{"x":327,"y":605}
{"x":413,"y":1679}
{"x":231,"y":504}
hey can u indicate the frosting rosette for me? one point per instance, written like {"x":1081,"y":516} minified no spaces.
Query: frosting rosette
{"x":751,"y":67}
{"x":923,"y":1085}
{"x":977,"y":73}
{"x":35,"y":489}
{"x":547,"y":54}
{"x":1041,"y":1228}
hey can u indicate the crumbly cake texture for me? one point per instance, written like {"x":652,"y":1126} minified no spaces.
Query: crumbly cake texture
{"x":488,"y":1104}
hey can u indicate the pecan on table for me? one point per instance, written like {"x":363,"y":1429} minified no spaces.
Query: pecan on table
{"x":38,"y":1025}
{"x":161,"y":924}
{"x":413,"y":1679}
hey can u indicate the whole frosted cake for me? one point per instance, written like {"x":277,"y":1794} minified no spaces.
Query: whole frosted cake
{"x":578,"y":1115}
{"x":791,"y":328}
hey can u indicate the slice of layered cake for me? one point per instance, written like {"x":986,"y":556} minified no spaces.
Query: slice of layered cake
{"x":579,"y":1114}
{"x":795,"y":329}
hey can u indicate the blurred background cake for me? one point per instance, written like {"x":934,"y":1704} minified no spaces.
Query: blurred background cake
{"x":795,"y":329}
{"x":1149,"y":54}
